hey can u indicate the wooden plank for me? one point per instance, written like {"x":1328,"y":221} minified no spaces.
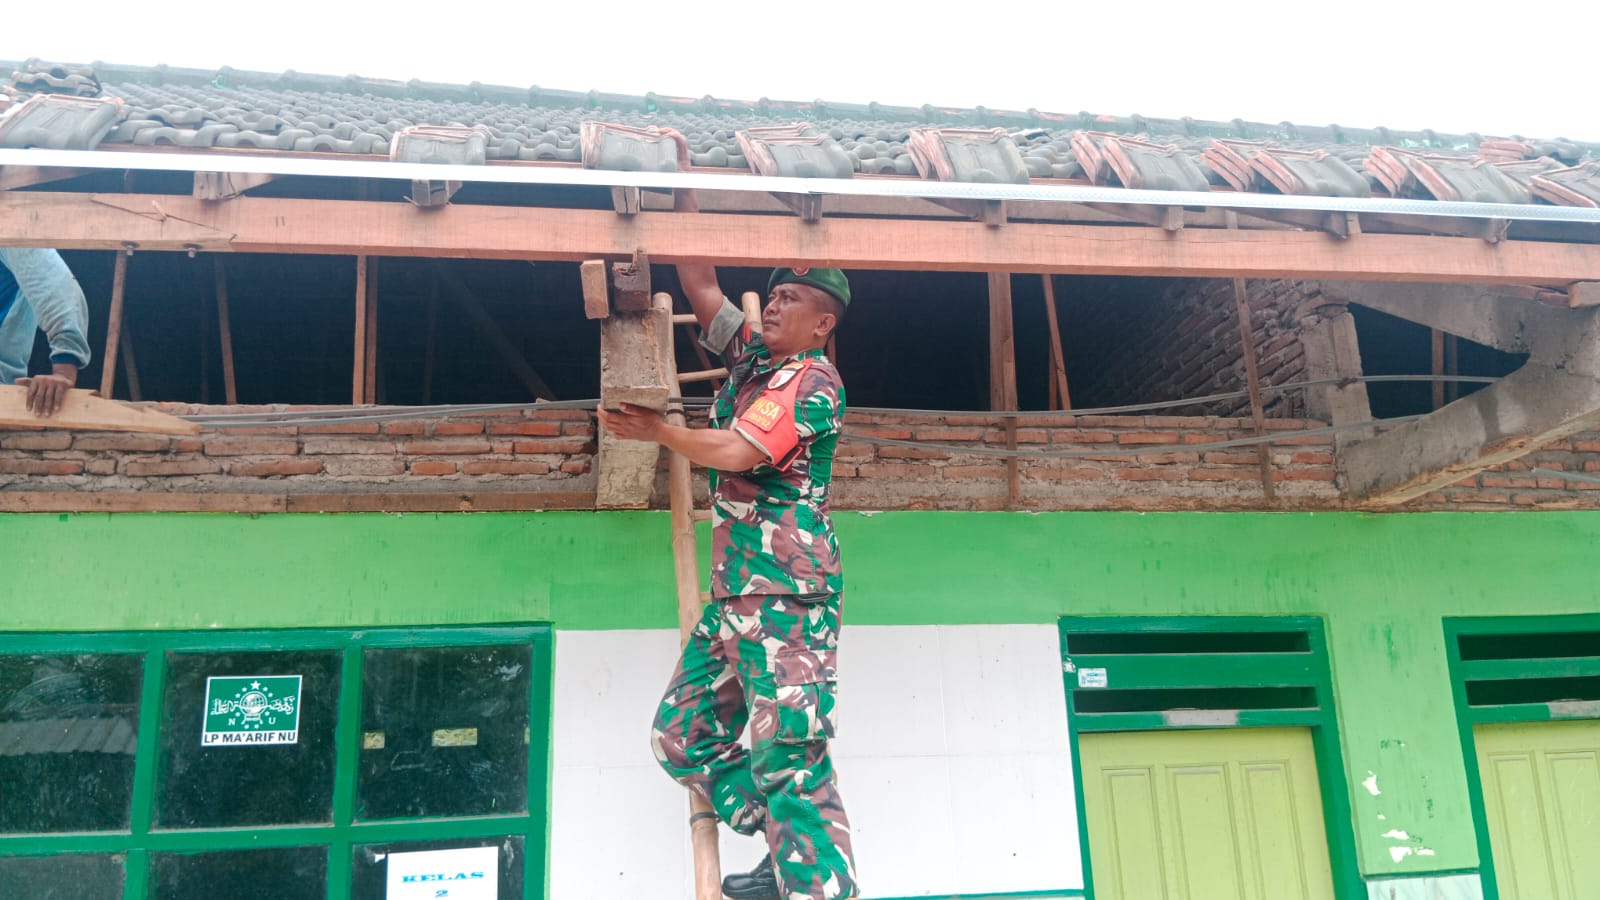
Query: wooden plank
{"x":1062,"y":397}
{"x":108,"y":364}
{"x":626,"y":200}
{"x":358,"y":375}
{"x":278,"y":225}
{"x":28,"y":176}
{"x":1002,"y":345}
{"x":218,"y":186}
{"x":369,"y":380}
{"x":137,"y":501}
{"x":135,"y":392}
{"x":807,"y":206}
{"x":1583,"y":293}
{"x":596,"y":294}
{"x":225,"y":331}
{"x":490,"y":331}
{"x":84,"y":411}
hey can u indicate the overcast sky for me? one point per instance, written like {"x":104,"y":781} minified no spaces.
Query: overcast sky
{"x":1454,"y":67}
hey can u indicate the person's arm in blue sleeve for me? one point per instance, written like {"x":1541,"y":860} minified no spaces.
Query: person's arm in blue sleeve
{"x":46,"y":284}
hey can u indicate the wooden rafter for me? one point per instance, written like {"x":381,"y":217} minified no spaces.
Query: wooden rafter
{"x":273,"y":225}
{"x":28,"y":176}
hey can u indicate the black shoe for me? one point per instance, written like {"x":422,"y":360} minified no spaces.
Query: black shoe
{"x":760,"y":883}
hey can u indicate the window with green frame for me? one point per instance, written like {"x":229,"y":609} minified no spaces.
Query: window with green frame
{"x":315,"y":764}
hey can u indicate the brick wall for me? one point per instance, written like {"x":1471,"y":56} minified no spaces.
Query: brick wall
{"x":1514,"y":486}
{"x":1184,"y":342}
{"x":535,"y":459}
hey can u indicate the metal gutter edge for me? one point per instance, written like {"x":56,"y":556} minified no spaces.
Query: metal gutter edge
{"x":929,"y":190}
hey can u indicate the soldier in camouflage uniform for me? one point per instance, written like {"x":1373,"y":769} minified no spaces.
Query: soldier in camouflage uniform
{"x":763,"y":653}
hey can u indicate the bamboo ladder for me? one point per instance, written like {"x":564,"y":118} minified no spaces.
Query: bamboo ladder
{"x":685,"y":562}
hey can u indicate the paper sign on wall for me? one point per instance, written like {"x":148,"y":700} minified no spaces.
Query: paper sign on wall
{"x":251,"y":710}
{"x":1091,"y":678}
{"x":470,"y":873}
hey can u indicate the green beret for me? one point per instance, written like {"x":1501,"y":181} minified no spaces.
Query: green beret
{"x":830,"y":281}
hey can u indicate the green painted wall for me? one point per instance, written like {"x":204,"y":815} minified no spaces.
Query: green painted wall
{"x":1382,"y":582}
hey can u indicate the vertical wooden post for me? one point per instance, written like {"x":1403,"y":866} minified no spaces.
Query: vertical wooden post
{"x":369,"y":381}
{"x":225,"y":333}
{"x":1436,"y":344}
{"x":685,"y":562}
{"x":1060,"y":397}
{"x":135,"y":393}
{"x":1452,"y":366}
{"x":119,"y":283}
{"x":205,"y":345}
{"x":1003,"y":373}
{"x":1252,"y":373}
{"x":1002,"y":344}
{"x":358,"y":375}
{"x":432,"y":338}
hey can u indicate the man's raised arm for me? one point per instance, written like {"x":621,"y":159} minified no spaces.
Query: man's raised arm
{"x":699,"y":281}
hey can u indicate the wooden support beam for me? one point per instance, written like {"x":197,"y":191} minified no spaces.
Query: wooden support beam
{"x":1060,"y":396}
{"x":273,"y":225}
{"x":632,"y":283}
{"x":28,"y":176}
{"x":108,"y":359}
{"x":358,"y":374}
{"x":1340,"y":225}
{"x":83,"y":411}
{"x":1168,"y":218}
{"x":807,"y":206}
{"x":1491,"y":231}
{"x":596,"y":293}
{"x":626,"y":200}
{"x":1583,"y":293}
{"x":369,"y":380}
{"x":490,"y":331}
{"x":707,"y":375}
{"x":135,"y":391}
{"x":992,"y":213}
{"x":217,"y":186}
{"x":225,"y":333}
{"x":1002,"y":345}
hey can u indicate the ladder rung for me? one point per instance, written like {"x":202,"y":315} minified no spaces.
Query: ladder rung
{"x":684,"y":319}
{"x":702,"y":515}
{"x":707,"y":375}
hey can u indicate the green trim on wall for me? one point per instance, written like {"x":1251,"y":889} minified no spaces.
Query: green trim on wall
{"x":1382,"y":583}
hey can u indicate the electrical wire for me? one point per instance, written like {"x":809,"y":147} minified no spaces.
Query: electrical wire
{"x":1568,"y":476}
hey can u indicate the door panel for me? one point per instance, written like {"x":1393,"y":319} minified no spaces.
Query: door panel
{"x":1541,"y":797}
{"x":1230,"y":814}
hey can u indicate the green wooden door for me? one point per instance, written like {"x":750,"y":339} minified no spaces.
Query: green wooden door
{"x":1229,"y":814}
{"x":1541,"y":799}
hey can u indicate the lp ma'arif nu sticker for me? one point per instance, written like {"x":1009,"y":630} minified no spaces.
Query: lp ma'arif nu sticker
{"x":253,"y":710}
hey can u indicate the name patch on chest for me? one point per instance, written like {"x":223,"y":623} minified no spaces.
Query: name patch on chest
{"x":764,"y":413}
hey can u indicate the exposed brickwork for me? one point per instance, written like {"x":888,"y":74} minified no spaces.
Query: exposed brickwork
{"x":551,"y":453}
{"x":1514,"y":486}
{"x":1184,"y":342}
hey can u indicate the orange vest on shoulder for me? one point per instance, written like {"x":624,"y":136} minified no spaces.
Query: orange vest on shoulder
{"x":770,"y":419}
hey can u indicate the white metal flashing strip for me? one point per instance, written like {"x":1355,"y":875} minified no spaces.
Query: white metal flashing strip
{"x":868,"y":187}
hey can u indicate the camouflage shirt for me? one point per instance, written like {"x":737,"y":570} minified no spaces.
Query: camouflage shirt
{"x":771,"y":531}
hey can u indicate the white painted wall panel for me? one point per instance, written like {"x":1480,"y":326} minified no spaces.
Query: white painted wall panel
{"x":952,"y":757}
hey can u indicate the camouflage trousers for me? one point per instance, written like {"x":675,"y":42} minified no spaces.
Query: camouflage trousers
{"x":766,"y":660}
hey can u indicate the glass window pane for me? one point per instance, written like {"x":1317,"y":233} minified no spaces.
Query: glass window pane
{"x":444,"y":731}
{"x":69,"y":726}
{"x":247,"y":739}
{"x":88,"y":876}
{"x":287,"y":873}
{"x":369,"y":868}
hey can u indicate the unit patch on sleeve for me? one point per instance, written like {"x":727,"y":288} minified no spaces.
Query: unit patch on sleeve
{"x":764,"y":413}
